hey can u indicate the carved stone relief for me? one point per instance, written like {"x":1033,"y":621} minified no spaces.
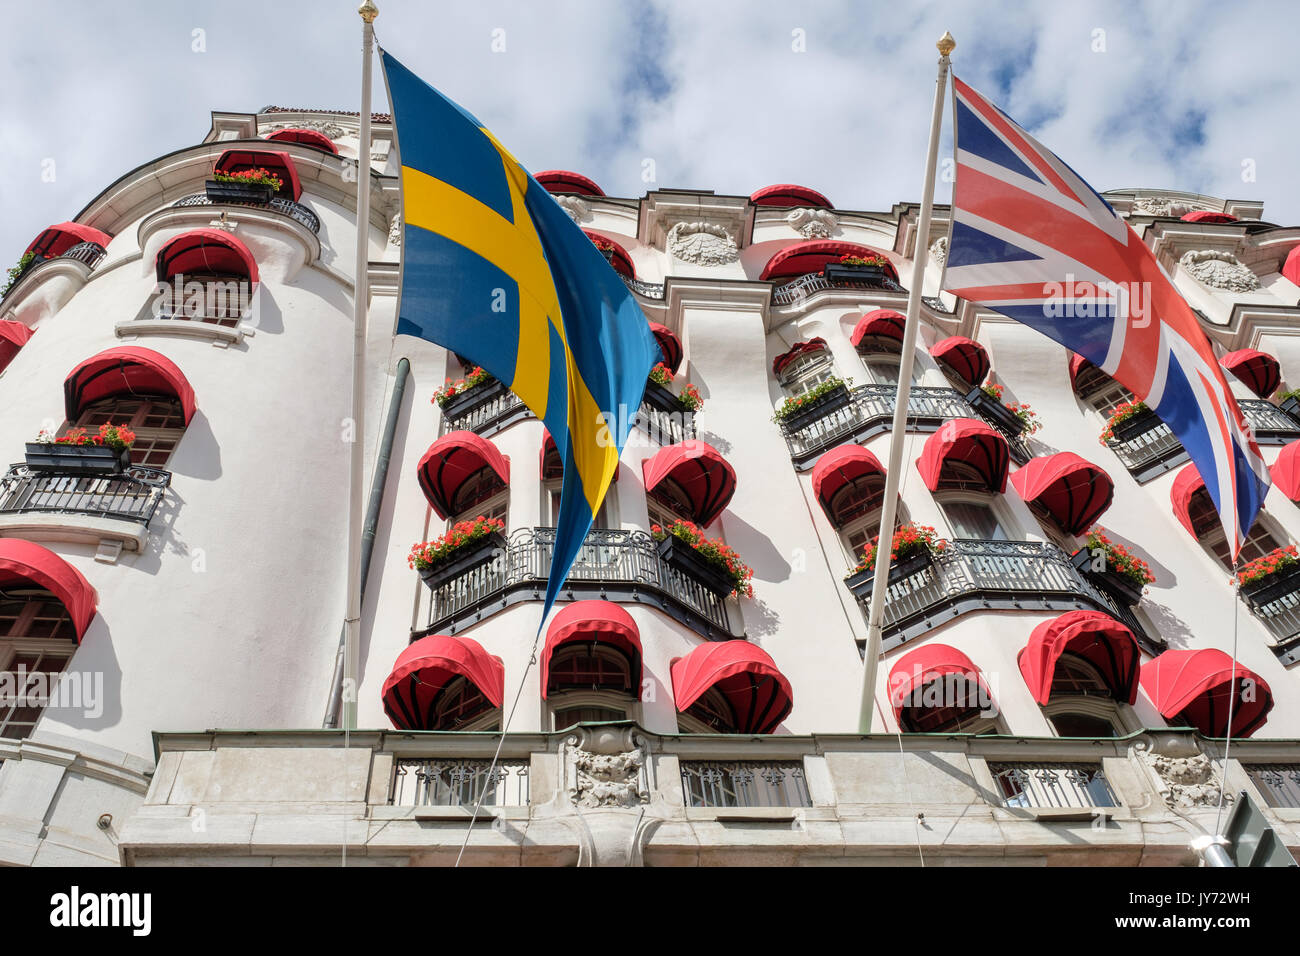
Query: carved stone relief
{"x":939,"y":250}
{"x":395,"y":229}
{"x":702,"y":243}
{"x":332,"y":130}
{"x":578,"y":210}
{"x":813,"y":223}
{"x":1219,"y":270}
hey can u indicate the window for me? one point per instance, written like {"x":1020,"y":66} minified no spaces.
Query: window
{"x":974,"y":520}
{"x":711,"y":714}
{"x":1099,"y":390}
{"x":1081,"y":725}
{"x":806,"y":371}
{"x":1205,"y":522}
{"x":667,"y":504}
{"x":1080,"y":704}
{"x":961,"y":712}
{"x":578,"y":715}
{"x":462,"y":706}
{"x":36,"y":637}
{"x":158,"y":424}
{"x":483,"y":493}
{"x":589,"y":682}
{"x":602,"y":520}
{"x":220,"y":303}
{"x":857,"y":532}
{"x":883,"y":370}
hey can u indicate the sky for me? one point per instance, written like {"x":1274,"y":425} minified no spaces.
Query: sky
{"x":698,"y":94}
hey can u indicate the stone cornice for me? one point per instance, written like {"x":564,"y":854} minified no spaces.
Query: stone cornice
{"x":662,"y":209}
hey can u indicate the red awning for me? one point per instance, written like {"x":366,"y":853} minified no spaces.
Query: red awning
{"x":969,"y":441}
{"x":1203,"y":216}
{"x":805,"y":257}
{"x":601,"y":622}
{"x":427,"y":666}
{"x":701,"y":473}
{"x":620,"y":260}
{"x":13,"y":336}
{"x":129,"y":370}
{"x":799,"y":348}
{"x":22,"y":562}
{"x":206,"y":252}
{"x":787,"y":195}
{"x":1186,"y":484}
{"x":757,"y":693}
{"x":1098,"y":638}
{"x":1077,"y":362}
{"x":925,"y":665}
{"x":885,"y":323}
{"x":272,"y":160}
{"x":1291,"y":266}
{"x":451,"y":461}
{"x":563,"y":181}
{"x":58,"y":239}
{"x":964,"y":356}
{"x":669,"y":345}
{"x":305,"y":137}
{"x":1196,"y":686}
{"x":1258,"y":370}
{"x":841,"y":466}
{"x":1074,"y":491}
{"x":1286,"y":471}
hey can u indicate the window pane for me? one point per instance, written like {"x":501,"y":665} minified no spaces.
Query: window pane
{"x":969,"y":519}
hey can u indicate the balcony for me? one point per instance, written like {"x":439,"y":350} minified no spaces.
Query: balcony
{"x":744,"y":783}
{"x":830,"y":278}
{"x":459,"y":783}
{"x":1058,"y":786}
{"x":1276,"y":605}
{"x":651,"y":290}
{"x":286,"y":207}
{"x":870,"y":412}
{"x":1153,"y":449}
{"x":1009,"y":575}
{"x":89,"y":254}
{"x":622,"y":566}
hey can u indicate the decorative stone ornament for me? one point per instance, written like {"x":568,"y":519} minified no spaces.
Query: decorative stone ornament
{"x":702,"y":243}
{"x":1186,"y":777}
{"x":578,"y":209}
{"x":1219,"y":270}
{"x":1157,"y":206}
{"x":395,"y":229}
{"x":332,"y":130}
{"x":939,"y":250}
{"x":813,"y":223}
{"x":607,"y":766}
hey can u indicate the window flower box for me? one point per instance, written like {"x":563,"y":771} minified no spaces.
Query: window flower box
{"x":1128,"y":421}
{"x":467,"y":545}
{"x":715,"y":566}
{"x":1117,"y":585}
{"x":77,"y":459}
{"x":1268,"y":578}
{"x":800,"y":412}
{"x":1123,"y":576}
{"x":659,"y":396}
{"x":473,"y":397}
{"x":841,"y":272}
{"x":912,"y":550}
{"x":225,"y":191}
{"x":676,"y":553}
{"x":990,"y":408}
{"x":862,"y":583}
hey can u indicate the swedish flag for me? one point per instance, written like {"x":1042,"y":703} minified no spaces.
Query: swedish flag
{"x":494,"y":270}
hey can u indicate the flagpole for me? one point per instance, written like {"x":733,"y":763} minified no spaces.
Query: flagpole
{"x":876,"y":613}
{"x":360,"y":303}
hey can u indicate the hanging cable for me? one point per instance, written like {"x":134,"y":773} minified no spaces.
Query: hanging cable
{"x":1232,"y":696}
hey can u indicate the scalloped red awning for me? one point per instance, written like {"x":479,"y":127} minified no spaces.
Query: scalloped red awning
{"x":1286,"y":471}
{"x":1196,"y":686}
{"x":200,"y":252}
{"x":1187,"y":483}
{"x":799,"y":348}
{"x":841,"y":466}
{"x":1077,"y":363}
{"x":885,"y":323}
{"x":1259,"y":371}
{"x":786,"y":195}
{"x":304,"y":137}
{"x":970,"y":441}
{"x":13,"y":336}
{"x":757,"y":693}
{"x":1098,"y":638}
{"x":700,"y":471}
{"x":600,"y":622}
{"x":272,"y":160}
{"x":564,"y":181}
{"x":427,"y":666}
{"x":669,"y":344}
{"x":451,"y":461}
{"x":805,"y":257}
{"x":126,"y":369}
{"x":1073,"y":490}
{"x":23,"y":561}
{"x":1291,"y":266}
{"x":925,"y":665}
{"x":57,"y":239}
{"x":1204,"y":216}
{"x":964,"y":356}
{"x":620,"y":260}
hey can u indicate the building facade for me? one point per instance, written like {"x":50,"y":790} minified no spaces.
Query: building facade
{"x":1036,"y":701}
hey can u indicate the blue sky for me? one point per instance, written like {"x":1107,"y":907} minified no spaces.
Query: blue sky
{"x":716,"y":94}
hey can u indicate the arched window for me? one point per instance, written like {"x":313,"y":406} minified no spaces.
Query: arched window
{"x":483,"y":493}
{"x":158,"y":422}
{"x":1099,"y":391}
{"x":461,"y":705}
{"x":975,"y":518}
{"x":1081,"y":704}
{"x":806,"y":371}
{"x":711,"y":714}
{"x":960,"y":711}
{"x":590,"y":682}
{"x":882,"y":368}
{"x":37,"y":637}
{"x":1209,"y":531}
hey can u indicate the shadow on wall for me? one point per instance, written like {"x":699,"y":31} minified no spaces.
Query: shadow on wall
{"x":1169,"y":625}
{"x":197,"y":455}
{"x":90,"y":696}
{"x":756,"y":550}
{"x":1165,"y":579}
{"x":162,"y":537}
{"x":269,"y":320}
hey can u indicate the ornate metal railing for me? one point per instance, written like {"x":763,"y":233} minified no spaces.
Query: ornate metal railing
{"x":459,"y":783}
{"x":1280,"y":614}
{"x":131,"y":496}
{"x":667,"y":428}
{"x":745,"y":783}
{"x":616,"y":565}
{"x":871,"y":411}
{"x":1278,"y":782}
{"x":90,"y":253}
{"x":294,"y":210}
{"x":935,"y":303}
{"x":815,"y":282}
{"x":1053,"y":785}
{"x":651,"y":290}
{"x":1157,"y":450}
{"x":974,"y":575}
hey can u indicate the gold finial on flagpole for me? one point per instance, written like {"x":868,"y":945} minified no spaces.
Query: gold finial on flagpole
{"x":368,"y":11}
{"x":946,"y":43}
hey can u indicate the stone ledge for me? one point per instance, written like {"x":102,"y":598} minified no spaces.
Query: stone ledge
{"x":219,"y":335}
{"x":75,"y":529}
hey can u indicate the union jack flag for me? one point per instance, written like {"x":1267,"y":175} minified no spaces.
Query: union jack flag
{"x":1033,"y":241}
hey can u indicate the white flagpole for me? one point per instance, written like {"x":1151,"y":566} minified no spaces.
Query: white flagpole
{"x":360,"y":303}
{"x":876,"y":613}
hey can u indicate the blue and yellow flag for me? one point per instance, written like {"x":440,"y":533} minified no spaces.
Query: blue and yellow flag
{"x":494,"y":270}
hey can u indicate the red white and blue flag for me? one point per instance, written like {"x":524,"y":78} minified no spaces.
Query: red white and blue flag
{"x":1033,"y":241}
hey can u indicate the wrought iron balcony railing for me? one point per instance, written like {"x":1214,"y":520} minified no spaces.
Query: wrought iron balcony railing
{"x":90,"y":253}
{"x":287,"y":207}
{"x":870,"y":412}
{"x":1278,"y":782}
{"x":745,"y":783}
{"x":133,"y":495}
{"x":651,"y":290}
{"x":613,"y":565}
{"x":1277,"y":607}
{"x":815,"y":282}
{"x":450,"y":782}
{"x":1053,"y":785}
{"x":974,"y":575}
{"x":1156,"y":450}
